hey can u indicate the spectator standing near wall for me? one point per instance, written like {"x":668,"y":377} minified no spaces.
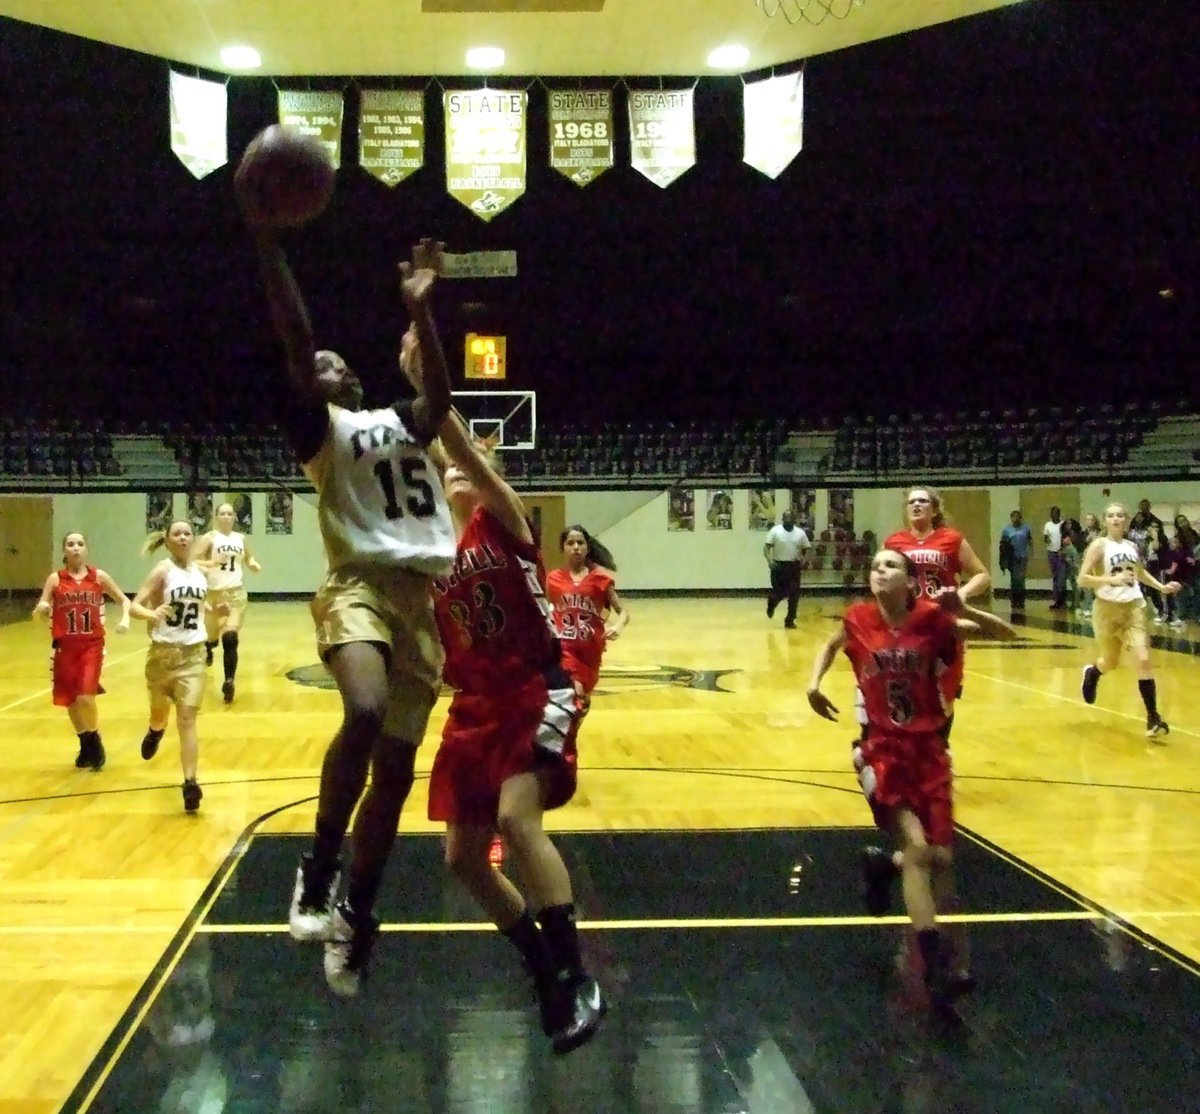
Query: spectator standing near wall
{"x":1016,"y":540}
{"x":1052,"y":537}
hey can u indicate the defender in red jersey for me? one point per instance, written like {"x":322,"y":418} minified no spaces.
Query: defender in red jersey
{"x":508,"y":747}
{"x":900,"y":645}
{"x":584,"y":598}
{"x":73,"y":599}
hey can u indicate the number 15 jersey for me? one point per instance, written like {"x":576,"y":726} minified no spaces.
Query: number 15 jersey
{"x":898,"y":668}
{"x":380,"y":500}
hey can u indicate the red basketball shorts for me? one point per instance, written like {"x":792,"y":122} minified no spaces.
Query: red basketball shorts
{"x":491,"y":737}
{"x":76,"y":670}
{"x":913,"y":773}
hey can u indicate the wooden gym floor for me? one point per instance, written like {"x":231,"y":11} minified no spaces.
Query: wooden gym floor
{"x":713,"y":842}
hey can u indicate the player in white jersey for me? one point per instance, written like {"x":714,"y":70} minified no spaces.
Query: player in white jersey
{"x":173,"y":600}
{"x":1112,"y":565}
{"x":387,"y":531}
{"x":223,"y":553}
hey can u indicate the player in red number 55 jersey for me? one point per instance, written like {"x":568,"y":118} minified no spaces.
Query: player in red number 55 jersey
{"x":508,"y":747}
{"x":73,"y":599}
{"x":900,"y":644}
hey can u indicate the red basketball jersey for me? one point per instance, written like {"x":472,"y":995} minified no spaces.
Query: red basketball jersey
{"x":934,"y":559}
{"x":579,"y":612}
{"x":491,"y":610}
{"x":899,"y":670}
{"x":77,"y":607}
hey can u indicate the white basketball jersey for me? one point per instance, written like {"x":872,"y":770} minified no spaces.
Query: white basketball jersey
{"x":380,"y":497}
{"x":1119,"y":556}
{"x":185,"y":592}
{"x":229,"y":551}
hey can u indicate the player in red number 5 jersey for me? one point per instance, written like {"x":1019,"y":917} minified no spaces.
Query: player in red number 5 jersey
{"x":508,"y":747}
{"x":73,"y":599}
{"x":900,"y":644}
{"x":584,"y":596}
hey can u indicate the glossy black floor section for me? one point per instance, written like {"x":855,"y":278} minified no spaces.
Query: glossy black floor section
{"x":1071,"y":1013}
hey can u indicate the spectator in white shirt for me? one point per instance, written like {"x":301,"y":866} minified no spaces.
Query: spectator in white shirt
{"x":1052,"y":535}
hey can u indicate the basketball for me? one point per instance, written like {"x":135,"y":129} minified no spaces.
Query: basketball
{"x":285,"y":177}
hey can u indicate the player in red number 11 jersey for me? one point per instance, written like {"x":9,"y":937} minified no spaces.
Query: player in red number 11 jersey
{"x":73,"y":599}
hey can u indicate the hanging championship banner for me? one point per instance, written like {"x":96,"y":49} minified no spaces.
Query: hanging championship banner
{"x":774,"y":122}
{"x":662,"y":133}
{"x":315,"y":114}
{"x":485,"y":148}
{"x":391,"y":133}
{"x":581,"y":129}
{"x":198,"y":115}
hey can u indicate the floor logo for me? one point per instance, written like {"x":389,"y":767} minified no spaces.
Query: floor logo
{"x":612,"y":681}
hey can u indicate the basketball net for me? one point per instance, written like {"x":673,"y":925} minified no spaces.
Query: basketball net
{"x":812,"y":11}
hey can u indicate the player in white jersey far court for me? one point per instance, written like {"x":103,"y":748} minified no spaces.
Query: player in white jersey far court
{"x":224,"y":553}
{"x":1112,"y":565}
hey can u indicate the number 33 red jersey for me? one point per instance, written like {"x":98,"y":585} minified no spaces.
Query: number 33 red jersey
{"x":491,"y":610}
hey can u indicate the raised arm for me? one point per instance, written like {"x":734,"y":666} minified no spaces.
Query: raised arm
{"x":288,"y":313}
{"x":817,"y":700}
{"x":432,"y":378}
{"x":114,"y":593}
{"x":493,"y":490}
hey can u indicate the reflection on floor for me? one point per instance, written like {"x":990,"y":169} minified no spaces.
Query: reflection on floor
{"x":730,"y":992}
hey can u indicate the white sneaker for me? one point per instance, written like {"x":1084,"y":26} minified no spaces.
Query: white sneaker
{"x":1158,"y":620}
{"x":1178,"y":624}
{"x":348,"y":950}
{"x":310,"y":917}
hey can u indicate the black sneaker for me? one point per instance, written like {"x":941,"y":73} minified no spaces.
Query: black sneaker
{"x":310,"y":916}
{"x":878,"y":872}
{"x":771,"y":605}
{"x":1091,"y":682}
{"x":150,"y":744}
{"x":588,"y":1008}
{"x":191,"y":795}
{"x":348,"y":952}
{"x":1156,"y":725}
{"x":83,"y":759}
{"x":98,"y":757}
{"x":227,"y":692}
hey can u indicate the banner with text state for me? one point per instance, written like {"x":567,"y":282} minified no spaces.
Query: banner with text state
{"x":581,"y":131}
{"x":391,"y":133}
{"x":662,"y":133}
{"x":774,"y":122}
{"x":315,"y":114}
{"x":485,"y":148}
{"x":199,"y":110}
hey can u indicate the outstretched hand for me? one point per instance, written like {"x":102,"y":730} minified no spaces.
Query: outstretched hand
{"x":822,"y":705}
{"x":418,"y":277}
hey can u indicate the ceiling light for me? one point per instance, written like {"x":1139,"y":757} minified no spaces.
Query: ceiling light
{"x":485,"y":57}
{"x":240,"y":57}
{"x":729,"y":57}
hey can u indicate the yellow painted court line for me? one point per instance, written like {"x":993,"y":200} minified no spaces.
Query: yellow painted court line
{"x":696,"y":922}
